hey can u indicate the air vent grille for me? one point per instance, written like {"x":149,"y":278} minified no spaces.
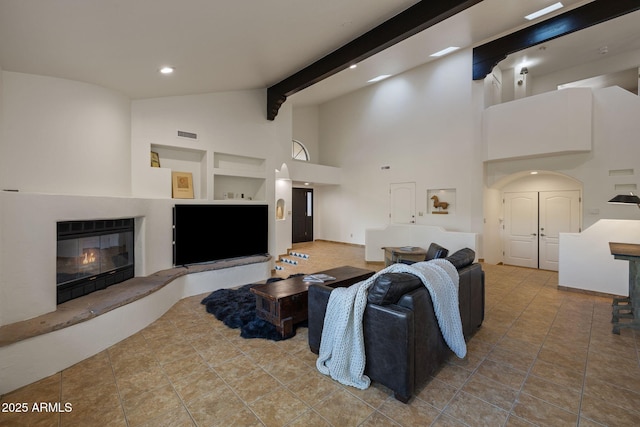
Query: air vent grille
{"x":190,"y":135}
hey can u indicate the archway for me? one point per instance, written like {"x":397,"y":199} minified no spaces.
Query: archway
{"x":539,"y":181}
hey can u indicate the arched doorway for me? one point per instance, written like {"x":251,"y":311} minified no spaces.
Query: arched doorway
{"x":524,"y":212}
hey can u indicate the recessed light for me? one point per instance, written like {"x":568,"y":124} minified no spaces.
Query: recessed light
{"x":445,"y":51}
{"x":544,"y":11}
{"x":352,"y":66}
{"x":377,"y":79}
{"x":534,"y":172}
{"x":167,"y":70}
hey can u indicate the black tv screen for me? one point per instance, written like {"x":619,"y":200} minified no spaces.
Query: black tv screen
{"x":205,"y":233}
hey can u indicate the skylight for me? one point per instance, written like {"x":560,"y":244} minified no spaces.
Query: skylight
{"x":544,"y":11}
{"x":445,"y":51}
{"x":377,"y":79}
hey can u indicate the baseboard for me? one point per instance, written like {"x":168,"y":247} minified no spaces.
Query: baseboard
{"x":588,"y":292}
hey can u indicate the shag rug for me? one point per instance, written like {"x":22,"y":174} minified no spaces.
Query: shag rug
{"x":236,"y":308}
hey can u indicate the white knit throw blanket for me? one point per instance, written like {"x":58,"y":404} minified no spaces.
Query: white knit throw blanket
{"x":342,"y":354}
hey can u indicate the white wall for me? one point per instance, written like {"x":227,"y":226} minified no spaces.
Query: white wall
{"x":608,"y":64}
{"x":71,"y":150}
{"x":62,"y":136}
{"x":615,"y":132}
{"x":586,"y":261}
{"x":305,"y":130}
{"x":553,"y":122}
{"x":424,"y":125}
{"x":28,"y":248}
{"x":227,"y":122}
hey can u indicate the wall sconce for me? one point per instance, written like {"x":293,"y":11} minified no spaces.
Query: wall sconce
{"x":626,"y":199}
{"x":523,"y":72}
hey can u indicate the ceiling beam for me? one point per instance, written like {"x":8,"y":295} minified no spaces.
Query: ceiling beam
{"x":488,"y":55}
{"x":413,"y":20}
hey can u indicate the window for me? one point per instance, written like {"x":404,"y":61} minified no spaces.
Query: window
{"x":299,"y":151}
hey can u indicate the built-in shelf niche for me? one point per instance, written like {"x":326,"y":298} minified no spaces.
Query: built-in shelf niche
{"x":444,"y":195}
{"x":181,"y":159}
{"x":238,"y":177}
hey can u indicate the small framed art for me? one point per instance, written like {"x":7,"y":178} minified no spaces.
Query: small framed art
{"x":182,"y":187}
{"x":155,"y":160}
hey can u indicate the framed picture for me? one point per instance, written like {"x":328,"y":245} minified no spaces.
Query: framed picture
{"x":182,"y":185}
{"x":155,"y":160}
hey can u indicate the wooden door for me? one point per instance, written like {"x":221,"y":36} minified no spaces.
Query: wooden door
{"x":402,"y":203}
{"x":302,"y":215}
{"x":520,"y":226}
{"x":559,"y":213}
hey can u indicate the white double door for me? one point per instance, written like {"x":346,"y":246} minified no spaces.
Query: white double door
{"x":532,"y":223}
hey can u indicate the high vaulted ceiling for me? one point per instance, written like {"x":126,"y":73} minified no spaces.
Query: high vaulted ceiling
{"x":224,"y":45}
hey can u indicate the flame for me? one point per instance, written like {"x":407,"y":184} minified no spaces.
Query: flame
{"x":89,"y":258}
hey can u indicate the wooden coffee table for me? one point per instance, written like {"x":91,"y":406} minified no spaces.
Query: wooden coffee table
{"x":284,"y":303}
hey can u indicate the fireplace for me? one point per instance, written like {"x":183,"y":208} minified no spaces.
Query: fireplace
{"x":93,"y":255}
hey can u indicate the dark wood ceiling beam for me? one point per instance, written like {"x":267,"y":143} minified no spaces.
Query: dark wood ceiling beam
{"x":417,"y":18}
{"x":488,"y":55}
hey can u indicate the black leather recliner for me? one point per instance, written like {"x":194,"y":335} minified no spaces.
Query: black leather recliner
{"x":403,"y":342}
{"x":435,"y":251}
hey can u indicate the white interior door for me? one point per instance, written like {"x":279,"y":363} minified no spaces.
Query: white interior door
{"x":521,"y":229}
{"x":559,"y":213}
{"x":403,"y":203}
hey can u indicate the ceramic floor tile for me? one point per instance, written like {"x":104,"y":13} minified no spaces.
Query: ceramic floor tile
{"x":253,"y":386}
{"x":188,"y":369}
{"x":542,"y":413}
{"x":446,"y":421}
{"x":607,"y":414}
{"x":139,"y":409}
{"x":437,"y":393}
{"x":563,"y":397}
{"x":502,"y":373}
{"x":279,"y":407}
{"x":193,"y":387}
{"x":309,"y":419}
{"x":613,"y":394}
{"x":475,"y":412}
{"x":558,"y":374}
{"x":453,"y":375}
{"x":216,"y":409}
{"x":343,"y":409}
{"x":192,"y":364}
{"x":314,"y":388}
{"x":520,"y":361}
{"x":141,"y":382}
{"x":491,"y":391}
{"x":414,"y":413}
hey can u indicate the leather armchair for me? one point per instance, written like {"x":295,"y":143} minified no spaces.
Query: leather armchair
{"x":403,"y":342}
{"x":436,"y":251}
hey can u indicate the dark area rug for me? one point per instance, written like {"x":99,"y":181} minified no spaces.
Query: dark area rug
{"x":236,"y":308}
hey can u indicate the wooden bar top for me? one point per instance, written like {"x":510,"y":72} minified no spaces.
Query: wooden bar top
{"x":624,"y":249}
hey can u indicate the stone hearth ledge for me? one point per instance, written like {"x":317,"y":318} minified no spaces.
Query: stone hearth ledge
{"x":99,"y":302}
{"x":37,"y":348}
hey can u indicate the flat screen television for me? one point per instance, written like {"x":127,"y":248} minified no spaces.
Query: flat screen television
{"x":205,"y":233}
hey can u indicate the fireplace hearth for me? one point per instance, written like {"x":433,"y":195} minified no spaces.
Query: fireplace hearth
{"x":92,"y":255}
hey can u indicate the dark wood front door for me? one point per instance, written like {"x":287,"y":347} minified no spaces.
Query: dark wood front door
{"x":302,"y":213}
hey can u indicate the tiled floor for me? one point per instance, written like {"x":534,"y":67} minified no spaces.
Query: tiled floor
{"x":542,"y":357}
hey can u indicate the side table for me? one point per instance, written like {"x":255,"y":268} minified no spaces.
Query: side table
{"x":394,"y":254}
{"x":627,"y":308}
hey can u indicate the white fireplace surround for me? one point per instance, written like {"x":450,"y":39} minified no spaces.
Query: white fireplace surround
{"x":28,"y":292}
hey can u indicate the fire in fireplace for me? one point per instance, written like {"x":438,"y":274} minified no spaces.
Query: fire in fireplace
{"x":93,"y":255}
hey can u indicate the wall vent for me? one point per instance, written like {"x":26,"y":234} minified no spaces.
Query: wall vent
{"x":190,"y":135}
{"x":620,"y":172}
{"x":625,"y":187}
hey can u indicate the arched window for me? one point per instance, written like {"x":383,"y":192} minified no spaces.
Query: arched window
{"x":299,"y":151}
